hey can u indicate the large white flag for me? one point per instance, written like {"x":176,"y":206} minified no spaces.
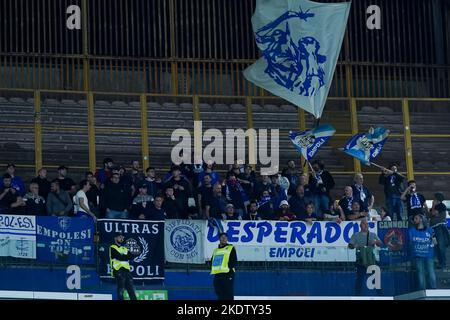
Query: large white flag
{"x":300,"y":42}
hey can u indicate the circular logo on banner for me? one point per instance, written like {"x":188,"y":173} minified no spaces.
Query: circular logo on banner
{"x":394,"y":239}
{"x":183,"y":239}
{"x":133,"y":246}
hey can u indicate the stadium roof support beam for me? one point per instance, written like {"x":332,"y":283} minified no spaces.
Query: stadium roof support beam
{"x":37,"y":131}
{"x":408,"y":143}
{"x":144,"y":132}
{"x":251,"y":138}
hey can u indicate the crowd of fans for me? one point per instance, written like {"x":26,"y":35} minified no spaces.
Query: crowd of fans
{"x":199,"y":192}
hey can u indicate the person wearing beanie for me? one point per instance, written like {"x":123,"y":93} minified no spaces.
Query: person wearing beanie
{"x":421,"y":249}
{"x":437,"y":216}
{"x":284,"y":212}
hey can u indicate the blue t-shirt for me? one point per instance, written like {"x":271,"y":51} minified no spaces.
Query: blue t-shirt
{"x":421,"y":242}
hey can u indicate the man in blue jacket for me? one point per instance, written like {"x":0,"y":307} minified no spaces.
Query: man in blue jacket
{"x":422,"y":253}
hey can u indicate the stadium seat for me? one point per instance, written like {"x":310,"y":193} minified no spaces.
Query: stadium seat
{"x":368,"y":109}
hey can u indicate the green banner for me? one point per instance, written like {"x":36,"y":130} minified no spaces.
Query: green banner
{"x":148,"y":295}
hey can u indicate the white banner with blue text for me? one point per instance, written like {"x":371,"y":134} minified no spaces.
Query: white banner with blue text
{"x":287,"y":241}
{"x":18,"y":236}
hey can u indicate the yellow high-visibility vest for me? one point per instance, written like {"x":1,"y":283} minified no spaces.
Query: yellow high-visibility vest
{"x":220,"y":259}
{"x":117,"y":264}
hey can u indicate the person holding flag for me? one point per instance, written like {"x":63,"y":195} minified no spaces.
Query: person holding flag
{"x":321,"y":182}
{"x":120,"y":267}
{"x":393,"y":189}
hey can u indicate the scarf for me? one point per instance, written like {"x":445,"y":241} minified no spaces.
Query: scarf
{"x":319,"y":177}
{"x":362,"y":195}
{"x":264,"y":200}
{"x":237,"y":187}
{"x":349,"y":203}
{"x":414,"y":201}
{"x":392,"y":180}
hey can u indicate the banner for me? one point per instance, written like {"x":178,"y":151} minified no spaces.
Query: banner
{"x":300,"y":42}
{"x":183,"y":240}
{"x":148,"y":295}
{"x":367,"y":146}
{"x":287,"y":241}
{"x":18,"y":236}
{"x":394,"y":236}
{"x":144,"y":238}
{"x":309,"y":142}
{"x":65,"y":239}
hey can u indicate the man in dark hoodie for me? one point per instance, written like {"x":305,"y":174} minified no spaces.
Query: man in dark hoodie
{"x":182,"y":189}
{"x":115,"y":199}
{"x":43,"y":183}
{"x":321,"y":182}
{"x":171,"y":205}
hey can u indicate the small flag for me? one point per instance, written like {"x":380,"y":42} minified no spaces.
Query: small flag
{"x":367,"y":146}
{"x":309,"y":142}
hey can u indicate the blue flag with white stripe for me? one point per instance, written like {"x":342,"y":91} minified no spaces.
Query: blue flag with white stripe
{"x":309,"y":142}
{"x":367,"y":146}
{"x":300,"y":42}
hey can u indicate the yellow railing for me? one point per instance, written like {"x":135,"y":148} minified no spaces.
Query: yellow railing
{"x":145,"y":135}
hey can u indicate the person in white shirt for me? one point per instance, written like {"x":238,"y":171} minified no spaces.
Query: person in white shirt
{"x":81,"y":203}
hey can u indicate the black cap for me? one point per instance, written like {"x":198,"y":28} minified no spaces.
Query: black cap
{"x":62,"y":168}
{"x":439,"y":196}
{"x":118,"y":233}
{"x":143,"y":186}
{"x":10,"y":165}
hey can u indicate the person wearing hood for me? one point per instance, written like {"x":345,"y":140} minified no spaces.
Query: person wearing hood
{"x":421,"y":248}
{"x":284,"y":212}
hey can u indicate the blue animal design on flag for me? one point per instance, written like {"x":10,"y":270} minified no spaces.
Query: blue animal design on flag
{"x":310,"y":141}
{"x":367,"y":146}
{"x":295,"y":66}
{"x":300,"y":42}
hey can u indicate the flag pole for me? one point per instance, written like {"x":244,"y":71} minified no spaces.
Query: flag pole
{"x":384,"y":168}
{"x":310,"y":166}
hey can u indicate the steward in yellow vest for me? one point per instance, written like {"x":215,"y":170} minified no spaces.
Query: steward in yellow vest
{"x":223,"y":263}
{"x":120,"y":267}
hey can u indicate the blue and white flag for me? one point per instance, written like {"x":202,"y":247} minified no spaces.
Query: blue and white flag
{"x":300,"y":42}
{"x":367,"y":146}
{"x":309,"y":142}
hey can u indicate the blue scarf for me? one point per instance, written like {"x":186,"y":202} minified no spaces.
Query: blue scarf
{"x":264,"y":200}
{"x":415,"y":201}
{"x":349,"y":203}
{"x":237,"y":187}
